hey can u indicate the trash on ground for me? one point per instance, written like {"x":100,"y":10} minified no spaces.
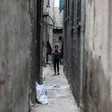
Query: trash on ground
{"x":41,"y":94}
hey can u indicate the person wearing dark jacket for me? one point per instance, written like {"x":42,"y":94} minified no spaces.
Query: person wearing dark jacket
{"x":56,"y":58}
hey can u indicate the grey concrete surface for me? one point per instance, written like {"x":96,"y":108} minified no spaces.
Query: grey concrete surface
{"x":35,"y":46}
{"x":14,"y":55}
{"x":19,"y":61}
{"x":88,"y":52}
{"x":58,"y":92}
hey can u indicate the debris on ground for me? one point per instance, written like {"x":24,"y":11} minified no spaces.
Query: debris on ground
{"x":41,"y":94}
{"x":59,"y":95}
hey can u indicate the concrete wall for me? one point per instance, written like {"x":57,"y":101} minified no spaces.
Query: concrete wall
{"x":50,"y":28}
{"x":45,"y":32}
{"x":72,"y":46}
{"x":47,"y":27}
{"x":88,"y":54}
{"x":58,"y":18}
{"x":97,"y":55}
{"x":58,"y":25}
{"x":14,"y":55}
{"x":110,"y":47}
{"x":17,"y":49}
{"x":56,"y":39}
{"x":35,"y":46}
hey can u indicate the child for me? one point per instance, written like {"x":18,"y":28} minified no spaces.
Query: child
{"x":56,"y":58}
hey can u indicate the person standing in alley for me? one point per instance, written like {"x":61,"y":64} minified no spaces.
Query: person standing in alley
{"x":56,"y":58}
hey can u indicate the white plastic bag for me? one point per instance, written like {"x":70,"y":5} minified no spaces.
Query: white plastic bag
{"x":41,"y":94}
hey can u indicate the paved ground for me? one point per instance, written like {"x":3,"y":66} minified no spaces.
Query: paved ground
{"x":58,"y":92}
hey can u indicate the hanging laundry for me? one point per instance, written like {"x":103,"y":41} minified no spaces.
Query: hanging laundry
{"x":61,"y":5}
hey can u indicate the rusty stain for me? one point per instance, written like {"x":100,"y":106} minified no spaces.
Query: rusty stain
{"x":3,"y":64}
{"x":2,"y":82}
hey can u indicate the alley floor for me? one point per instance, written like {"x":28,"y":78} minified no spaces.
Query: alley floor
{"x":58,"y":92}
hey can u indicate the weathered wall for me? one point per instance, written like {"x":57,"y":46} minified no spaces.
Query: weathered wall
{"x":51,"y":21}
{"x":89,"y":50}
{"x":35,"y":46}
{"x":14,"y":55}
{"x":56,"y":40}
{"x":110,"y":46}
{"x":47,"y":26}
{"x":45,"y":32}
{"x":58,"y":18}
{"x":72,"y":45}
{"x":18,"y":69}
{"x":97,"y":57}
{"x":58,"y":24}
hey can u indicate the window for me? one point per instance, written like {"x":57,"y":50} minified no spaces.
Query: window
{"x":60,"y":38}
{"x":48,"y":3}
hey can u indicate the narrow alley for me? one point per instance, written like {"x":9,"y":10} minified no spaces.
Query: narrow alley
{"x":55,"y":55}
{"x":58,"y":91}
